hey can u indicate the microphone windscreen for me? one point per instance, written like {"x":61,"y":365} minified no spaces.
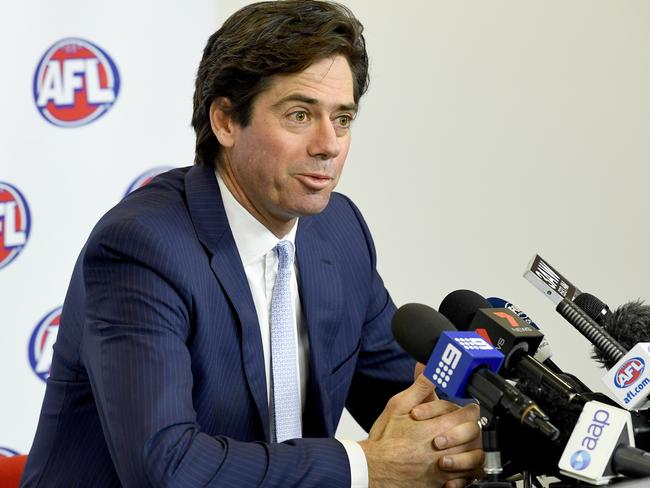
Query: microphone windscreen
{"x":630,"y":324}
{"x":416,"y":327}
{"x":460,"y":306}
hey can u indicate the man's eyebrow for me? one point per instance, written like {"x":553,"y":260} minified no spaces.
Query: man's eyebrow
{"x":312,"y":101}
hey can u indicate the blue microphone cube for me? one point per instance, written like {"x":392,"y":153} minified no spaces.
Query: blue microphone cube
{"x":455,"y":357}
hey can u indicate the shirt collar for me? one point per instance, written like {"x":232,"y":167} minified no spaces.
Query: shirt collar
{"x":253,"y":240}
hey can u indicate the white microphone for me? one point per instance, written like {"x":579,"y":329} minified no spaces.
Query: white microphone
{"x":591,"y":452}
{"x":629,"y":378}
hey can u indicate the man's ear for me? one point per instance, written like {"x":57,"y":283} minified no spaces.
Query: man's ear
{"x":221,"y":121}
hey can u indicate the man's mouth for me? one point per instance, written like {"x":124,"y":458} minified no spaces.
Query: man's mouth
{"x":314,"y":181}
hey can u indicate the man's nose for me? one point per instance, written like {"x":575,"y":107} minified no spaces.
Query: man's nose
{"x":324,"y":143}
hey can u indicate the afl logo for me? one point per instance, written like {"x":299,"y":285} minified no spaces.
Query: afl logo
{"x":6,"y":452}
{"x":14,"y":223}
{"x":629,"y":372}
{"x":75,"y":83}
{"x":146,"y":177}
{"x":41,"y":342}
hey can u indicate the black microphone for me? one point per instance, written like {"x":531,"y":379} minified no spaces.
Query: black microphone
{"x":561,"y":292}
{"x":629,"y":324}
{"x":518,"y":340}
{"x":459,"y":363}
{"x":543,"y":353}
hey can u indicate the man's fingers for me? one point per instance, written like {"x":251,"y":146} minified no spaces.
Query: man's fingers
{"x":401,"y":404}
{"x":404,"y":401}
{"x":468,"y":464}
{"x":460,"y":434}
{"x":446,"y":422}
{"x":429,"y":410}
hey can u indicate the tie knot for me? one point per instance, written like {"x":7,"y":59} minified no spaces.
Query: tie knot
{"x":284,"y":249}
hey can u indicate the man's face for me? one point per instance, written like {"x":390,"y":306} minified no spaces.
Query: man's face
{"x":287,"y":161}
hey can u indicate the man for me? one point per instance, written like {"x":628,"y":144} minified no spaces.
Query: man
{"x":219,"y":319}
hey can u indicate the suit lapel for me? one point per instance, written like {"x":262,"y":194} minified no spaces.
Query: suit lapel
{"x":321,"y":296}
{"x":211,"y":225}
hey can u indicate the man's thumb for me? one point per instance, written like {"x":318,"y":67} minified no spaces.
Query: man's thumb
{"x":414,"y":395}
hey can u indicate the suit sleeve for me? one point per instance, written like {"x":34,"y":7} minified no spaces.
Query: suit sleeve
{"x":138,"y":322}
{"x":383,"y":368}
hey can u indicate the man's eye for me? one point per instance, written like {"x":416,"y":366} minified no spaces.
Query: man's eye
{"x":299,"y":116}
{"x":344,"y":120}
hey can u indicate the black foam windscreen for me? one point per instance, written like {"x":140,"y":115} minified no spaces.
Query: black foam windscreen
{"x":460,"y":306}
{"x":630,"y":324}
{"x":416,"y":327}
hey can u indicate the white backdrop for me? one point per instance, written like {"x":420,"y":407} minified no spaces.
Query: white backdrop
{"x":492,"y":131}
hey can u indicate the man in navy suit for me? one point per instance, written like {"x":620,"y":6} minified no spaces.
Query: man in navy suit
{"x":166,"y":370}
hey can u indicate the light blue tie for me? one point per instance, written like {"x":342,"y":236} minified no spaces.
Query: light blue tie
{"x":286,"y":411}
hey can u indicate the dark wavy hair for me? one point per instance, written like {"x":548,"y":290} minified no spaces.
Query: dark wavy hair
{"x":264,"y":39}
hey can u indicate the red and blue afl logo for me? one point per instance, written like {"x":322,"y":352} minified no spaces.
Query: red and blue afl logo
{"x":146,"y":177}
{"x":6,"y":452}
{"x":41,"y":343}
{"x":14,"y":223}
{"x":629,"y":372}
{"x":75,"y":83}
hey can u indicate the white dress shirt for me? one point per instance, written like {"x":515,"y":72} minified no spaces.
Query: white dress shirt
{"x":255,"y":244}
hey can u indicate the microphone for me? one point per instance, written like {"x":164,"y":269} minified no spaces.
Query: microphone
{"x":629,"y":331}
{"x":627,"y":378}
{"x":568,"y":403}
{"x":601,"y":446}
{"x":496,"y":302}
{"x":510,"y":334}
{"x":593,"y":307}
{"x":538,"y":381}
{"x":561,"y":292}
{"x":629,"y":324}
{"x":461,"y":364}
{"x":586,"y":450}
{"x":543,"y":353}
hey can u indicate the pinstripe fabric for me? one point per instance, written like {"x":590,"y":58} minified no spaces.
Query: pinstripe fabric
{"x":158,"y":376}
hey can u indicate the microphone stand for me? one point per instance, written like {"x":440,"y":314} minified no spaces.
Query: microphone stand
{"x":493,"y":467}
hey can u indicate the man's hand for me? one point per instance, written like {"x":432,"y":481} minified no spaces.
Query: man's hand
{"x":422,"y":412}
{"x":418,"y":442}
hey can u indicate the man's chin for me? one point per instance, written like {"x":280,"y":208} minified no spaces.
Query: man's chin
{"x":313,"y":206}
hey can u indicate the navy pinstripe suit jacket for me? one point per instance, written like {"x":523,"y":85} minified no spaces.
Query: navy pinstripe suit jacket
{"x":158,"y":372}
